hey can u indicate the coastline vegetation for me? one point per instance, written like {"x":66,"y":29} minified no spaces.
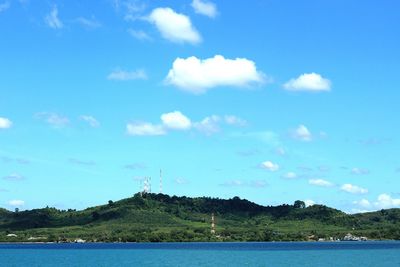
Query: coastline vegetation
{"x":164,"y":218}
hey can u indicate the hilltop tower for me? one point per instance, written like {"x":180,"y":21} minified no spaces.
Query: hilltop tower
{"x":212,"y":223}
{"x":161,"y":181}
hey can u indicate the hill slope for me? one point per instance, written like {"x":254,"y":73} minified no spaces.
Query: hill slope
{"x":159,"y":217}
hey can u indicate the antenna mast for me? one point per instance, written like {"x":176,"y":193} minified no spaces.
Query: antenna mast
{"x":161,"y":182}
{"x":212,"y":223}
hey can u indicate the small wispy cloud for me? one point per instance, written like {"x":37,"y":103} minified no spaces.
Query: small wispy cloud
{"x":181,"y":181}
{"x":139,"y":34}
{"x":88,"y":23}
{"x":123,"y":75}
{"x":270,"y":166}
{"x":173,"y":26}
{"x":81,"y":162}
{"x":353,"y":189}
{"x":144,"y":129}
{"x":14,"y":177}
{"x":54,"y":119}
{"x":4,"y":6}
{"x":16,"y":203}
{"x":245,"y":183}
{"x":92,"y":121}
{"x":209,"y":125}
{"x":14,"y":160}
{"x":290,"y":175}
{"x":359,"y":171}
{"x":311,"y":82}
{"x":234,"y":120}
{"x":248,"y":153}
{"x":320,"y":182}
{"x":52,"y":19}
{"x":302,"y":133}
{"x":136,"y":166}
{"x":5,"y":123}
{"x":205,"y":8}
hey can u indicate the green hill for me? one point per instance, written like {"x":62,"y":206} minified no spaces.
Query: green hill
{"x":159,"y":217}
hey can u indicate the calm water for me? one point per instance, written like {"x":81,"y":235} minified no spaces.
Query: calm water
{"x":203,"y":254}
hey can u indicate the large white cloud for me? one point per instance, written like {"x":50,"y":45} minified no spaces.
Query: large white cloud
{"x":270,"y":166}
{"x":302,"y":133}
{"x":320,"y":182}
{"x":144,"y":128}
{"x":353,"y":189}
{"x":176,"y":121}
{"x":52,"y":19}
{"x":206,"y":8}
{"x":5,"y":123}
{"x":197,"y":76}
{"x":312,"y":82}
{"x":173,"y":26}
{"x":384,"y":201}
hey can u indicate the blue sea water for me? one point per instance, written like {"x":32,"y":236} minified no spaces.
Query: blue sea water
{"x":305,"y":254}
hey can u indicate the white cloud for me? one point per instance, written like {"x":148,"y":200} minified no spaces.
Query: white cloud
{"x":88,"y":23}
{"x":364,"y":203}
{"x":90,"y":120}
{"x":320,"y":182}
{"x":4,"y":6}
{"x":16,"y":203}
{"x":234,"y":120}
{"x":268,"y":165}
{"x":53,"y":119}
{"x":52,"y":19}
{"x":176,"y":121}
{"x":385,"y":201}
{"x":122,"y":75}
{"x":309,"y":202}
{"x":205,"y":8}
{"x":197,"y":76}
{"x":353,"y":189}
{"x":302,"y":133}
{"x":81,"y":162}
{"x":181,"y":181}
{"x":5,"y":123}
{"x":14,"y":177}
{"x":209,"y":125}
{"x":139,"y":34}
{"x":359,"y":171}
{"x":243,"y":183}
{"x":312,"y":82}
{"x":144,"y":128}
{"x":280,"y":151}
{"x":290,"y":175}
{"x":173,"y":26}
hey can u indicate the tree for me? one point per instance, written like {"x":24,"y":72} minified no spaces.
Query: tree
{"x":298,"y":204}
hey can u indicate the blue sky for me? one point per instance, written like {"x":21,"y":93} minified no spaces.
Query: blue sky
{"x":272,"y":101}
